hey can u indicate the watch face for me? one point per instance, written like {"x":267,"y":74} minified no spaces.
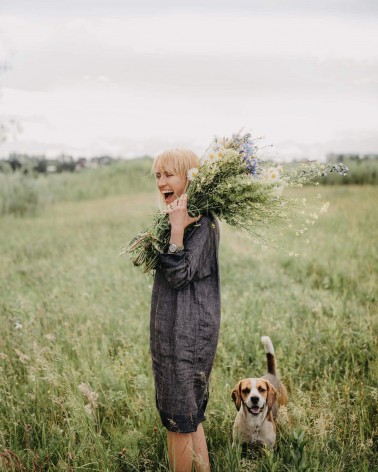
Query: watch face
{"x":174,"y":248}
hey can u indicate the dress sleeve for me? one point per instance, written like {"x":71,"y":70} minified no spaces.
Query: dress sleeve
{"x":180,"y":268}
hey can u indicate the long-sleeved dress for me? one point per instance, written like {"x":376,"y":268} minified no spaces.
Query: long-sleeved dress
{"x":184,"y":327}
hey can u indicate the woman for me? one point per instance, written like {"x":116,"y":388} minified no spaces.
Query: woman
{"x":185,"y":316}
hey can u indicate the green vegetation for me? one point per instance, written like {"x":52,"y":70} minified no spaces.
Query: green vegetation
{"x":361,"y":172}
{"x":28,"y":194}
{"x":76,"y":388}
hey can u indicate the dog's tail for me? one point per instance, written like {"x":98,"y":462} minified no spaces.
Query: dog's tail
{"x":270,"y":359}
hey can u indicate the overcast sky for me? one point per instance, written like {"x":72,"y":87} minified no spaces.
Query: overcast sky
{"x":128,"y":78}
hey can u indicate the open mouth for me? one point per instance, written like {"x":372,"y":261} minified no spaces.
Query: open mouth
{"x":255,"y":410}
{"x":168,"y":197}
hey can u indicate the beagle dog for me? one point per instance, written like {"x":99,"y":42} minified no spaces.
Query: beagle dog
{"x":257,"y":401}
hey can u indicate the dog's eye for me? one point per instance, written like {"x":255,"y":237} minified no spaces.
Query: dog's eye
{"x":246,"y":391}
{"x":261,"y":389}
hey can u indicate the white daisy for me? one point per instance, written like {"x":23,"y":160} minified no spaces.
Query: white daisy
{"x":192,"y":173}
{"x":274,"y":174}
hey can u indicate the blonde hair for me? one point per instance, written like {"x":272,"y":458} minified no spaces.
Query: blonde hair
{"x":177,"y":161}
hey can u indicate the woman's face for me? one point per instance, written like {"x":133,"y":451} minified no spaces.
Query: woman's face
{"x":170,"y":185}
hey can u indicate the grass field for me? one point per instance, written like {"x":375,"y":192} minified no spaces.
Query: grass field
{"x":76,"y":389}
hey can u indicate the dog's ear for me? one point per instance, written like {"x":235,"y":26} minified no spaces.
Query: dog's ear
{"x":236,"y":395}
{"x":272,"y":395}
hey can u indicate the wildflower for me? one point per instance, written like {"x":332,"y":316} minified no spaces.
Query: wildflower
{"x":23,"y":358}
{"x":214,"y":157}
{"x":270,"y":175}
{"x":274,"y":174}
{"x":324,"y":208}
{"x":92,"y":398}
{"x":234,"y":196}
{"x":17,"y":325}
{"x":251,"y":166}
{"x":89,"y":410}
{"x":339,"y":169}
{"x":192,"y":173}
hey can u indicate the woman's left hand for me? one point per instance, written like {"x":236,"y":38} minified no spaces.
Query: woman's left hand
{"x":178,"y":213}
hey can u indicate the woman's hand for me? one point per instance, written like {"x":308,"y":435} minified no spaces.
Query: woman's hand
{"x":178,"y":213}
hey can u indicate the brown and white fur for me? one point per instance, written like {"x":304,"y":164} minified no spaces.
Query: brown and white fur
{"x":257,"y":401}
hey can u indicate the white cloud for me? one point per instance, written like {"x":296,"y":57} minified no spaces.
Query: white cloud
{"x":321,"y":37}
{"x":88,"y":119}
{"x":109,"y":83}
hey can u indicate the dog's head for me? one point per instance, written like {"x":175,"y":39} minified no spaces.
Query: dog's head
{"x":254,"y":394}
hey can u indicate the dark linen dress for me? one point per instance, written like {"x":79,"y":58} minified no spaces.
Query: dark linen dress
{"x":184,"y":327}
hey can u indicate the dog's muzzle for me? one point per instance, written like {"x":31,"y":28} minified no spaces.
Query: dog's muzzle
{"x":254,"y":409}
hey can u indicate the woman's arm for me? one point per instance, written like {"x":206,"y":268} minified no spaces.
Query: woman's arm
{"x":179,"y":268}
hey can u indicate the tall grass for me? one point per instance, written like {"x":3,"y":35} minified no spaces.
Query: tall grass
{"x":22,"y":195}
{"x":29,"y":194}
{"x":76,"y":390}
{"x":19,"y":195}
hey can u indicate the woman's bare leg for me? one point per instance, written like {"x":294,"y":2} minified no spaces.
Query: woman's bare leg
{"x":180,"y":451}
{"x":201,"y":455}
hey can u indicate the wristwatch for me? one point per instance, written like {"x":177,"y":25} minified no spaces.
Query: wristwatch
{"x":174,"y":248}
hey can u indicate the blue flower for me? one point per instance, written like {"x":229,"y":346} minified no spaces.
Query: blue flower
{"x":251,"y":165}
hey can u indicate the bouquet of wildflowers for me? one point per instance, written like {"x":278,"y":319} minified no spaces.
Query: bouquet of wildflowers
{"x":232,"y":184}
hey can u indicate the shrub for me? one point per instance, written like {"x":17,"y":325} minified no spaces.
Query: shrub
{"x":19,"y":195}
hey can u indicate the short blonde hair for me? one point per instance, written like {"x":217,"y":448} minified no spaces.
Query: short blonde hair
{"x":177,"y":161}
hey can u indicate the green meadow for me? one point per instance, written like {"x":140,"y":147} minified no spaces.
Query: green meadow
{"x":76,"y":387}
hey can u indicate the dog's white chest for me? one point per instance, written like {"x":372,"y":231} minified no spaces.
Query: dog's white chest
{"x":253,"y":429}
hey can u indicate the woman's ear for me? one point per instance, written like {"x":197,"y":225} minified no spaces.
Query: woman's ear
{"x":236,"y":395}
{"x":272,"y":395}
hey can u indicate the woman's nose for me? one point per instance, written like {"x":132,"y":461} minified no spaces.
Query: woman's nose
{"x":161,"y":181}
